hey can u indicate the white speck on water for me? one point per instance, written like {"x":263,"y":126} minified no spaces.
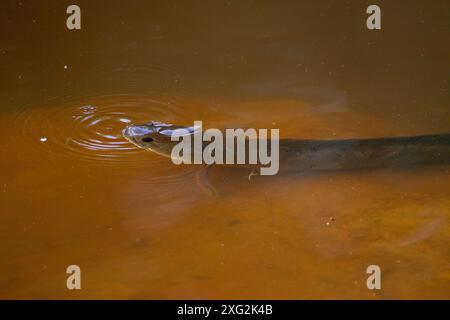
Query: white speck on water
{"x":331,"y":219}
{"x":43,"y":139}
{"x":65,"y":66}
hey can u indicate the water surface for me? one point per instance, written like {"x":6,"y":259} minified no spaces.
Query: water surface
{"x":74,"y":191}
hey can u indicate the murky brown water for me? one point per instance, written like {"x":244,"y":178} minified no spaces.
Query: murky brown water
{"x":140,"y":227}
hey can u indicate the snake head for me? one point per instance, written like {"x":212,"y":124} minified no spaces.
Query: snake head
{"x":155,"y":136}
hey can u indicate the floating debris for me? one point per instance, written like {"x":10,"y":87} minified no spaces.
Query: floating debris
{"x":43,"y":139}
{"x":329,"y":221}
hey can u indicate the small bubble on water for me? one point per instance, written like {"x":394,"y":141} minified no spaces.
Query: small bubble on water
{"x":65,"y":66}
{"x":43,"y":139}
{"x":88,"y":109}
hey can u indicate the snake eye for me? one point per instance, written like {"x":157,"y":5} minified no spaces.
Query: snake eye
{"x":147,"y":139}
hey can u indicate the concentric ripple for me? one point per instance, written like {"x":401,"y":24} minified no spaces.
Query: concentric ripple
{"x":91,"y":130}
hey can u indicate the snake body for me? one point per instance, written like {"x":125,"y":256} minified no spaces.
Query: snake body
{"x":312,"y":155}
